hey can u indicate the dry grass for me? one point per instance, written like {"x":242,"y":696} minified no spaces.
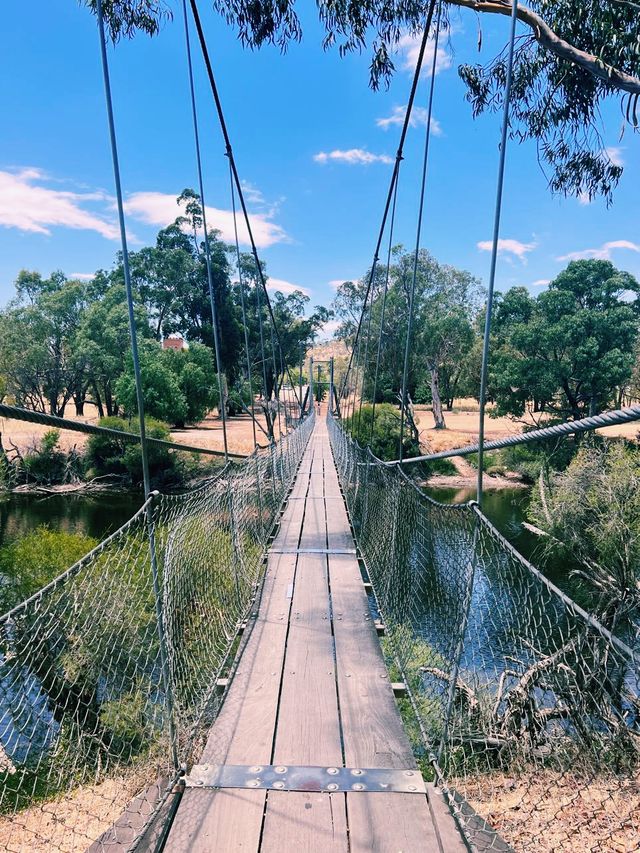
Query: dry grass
{"x":463,"y":424}
{"x":208,"y":434}
{"x":69,"y":823}
{"x":548,"y":812}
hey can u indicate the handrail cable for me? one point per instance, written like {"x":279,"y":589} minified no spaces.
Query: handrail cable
{"x":234,"y":169}
{"x":394,"y":178}
{"x":605,"y":419}
{"x":423,"y":184}
{"x":19,"y":414}
{"x":494,"y":250}
{"x":207,"y":247}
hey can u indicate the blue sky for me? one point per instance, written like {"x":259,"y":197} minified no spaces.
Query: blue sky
{"x":313,"y":143}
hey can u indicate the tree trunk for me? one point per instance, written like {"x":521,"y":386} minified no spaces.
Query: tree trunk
{"x":436,"y":402}
{"x":108,"y":400}
{"x":98,"y":400}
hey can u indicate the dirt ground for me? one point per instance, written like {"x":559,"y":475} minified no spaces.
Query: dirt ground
{"x":69,"y":823}
{"x":462,"y":429}
{"x":463,"y":424}
{"x":208,"y":434}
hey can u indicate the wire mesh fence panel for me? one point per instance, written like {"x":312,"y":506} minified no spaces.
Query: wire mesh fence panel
{"x":108,"y":675}
{"x":524,"y":706}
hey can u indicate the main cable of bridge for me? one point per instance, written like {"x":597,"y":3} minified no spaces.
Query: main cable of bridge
{"x":394,"y":178}
{"x":207,"y":247}
{"x":229,"y":153}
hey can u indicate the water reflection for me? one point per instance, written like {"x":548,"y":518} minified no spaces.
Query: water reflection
{"x":95,"y":515}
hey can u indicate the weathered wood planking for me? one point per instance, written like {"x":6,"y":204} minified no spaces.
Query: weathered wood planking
{"x":372,"y":729}
{"x":312,"y":689}
{"x":308,"y":722}
{"x":243,"y":733}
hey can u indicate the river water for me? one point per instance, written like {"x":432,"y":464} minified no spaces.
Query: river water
{"x":95,"y":515}
{"x":100,"y":514}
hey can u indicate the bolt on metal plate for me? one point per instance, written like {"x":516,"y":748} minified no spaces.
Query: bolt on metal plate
{"x":304,"y":778}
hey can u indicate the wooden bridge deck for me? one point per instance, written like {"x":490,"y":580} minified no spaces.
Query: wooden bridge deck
{"x":311,"y":688}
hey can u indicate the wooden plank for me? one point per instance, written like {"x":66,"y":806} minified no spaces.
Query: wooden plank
{"x":372,"y":728}
{"x":308,"y":720}
{"x":314,"y":527}
{"x":283,"y":706}
{"x":338,"y":530}
{"x":243,"y":733}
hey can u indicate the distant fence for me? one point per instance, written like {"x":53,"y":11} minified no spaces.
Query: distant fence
{"x":109,"y":675}
{"x":524,"y":707}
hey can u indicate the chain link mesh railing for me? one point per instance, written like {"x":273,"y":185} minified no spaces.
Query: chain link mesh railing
{"x":109,"y":675}
{"x":524,"y":706}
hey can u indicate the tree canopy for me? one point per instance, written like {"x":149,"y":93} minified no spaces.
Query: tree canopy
{"x":569,"y":351}
{"x":573,"y":55}
{"x":446,"y":302}
{"x":63,"y":340}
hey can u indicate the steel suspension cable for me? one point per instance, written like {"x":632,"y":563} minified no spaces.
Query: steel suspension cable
{"x":394,"y":176}
{"x":125,"y":251}
{"x":146,"y":477}
{"x":494,"y":250}
{"x":275,"y":379}
{"x":606,"y":419}
{"x":265,"y":397}
{"x":366,"y":358}
{"x":412,"y":292}
{"x":207,"y":247}
{"x":243,"y":308}
{"x":382,"y":310}
{"x":229,"y":151}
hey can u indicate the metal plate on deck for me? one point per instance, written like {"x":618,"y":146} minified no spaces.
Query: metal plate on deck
{"x":348,"y":551}
{"x":280,"y":777}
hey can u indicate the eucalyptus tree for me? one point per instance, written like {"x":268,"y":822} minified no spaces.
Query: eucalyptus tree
{"x":446,"y":302}
{"x":568,"y":351}
{"x":571,"y":57}
{"x":38,"y":351}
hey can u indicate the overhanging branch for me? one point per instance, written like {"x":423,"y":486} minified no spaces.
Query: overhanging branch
{"x":548,"y":39}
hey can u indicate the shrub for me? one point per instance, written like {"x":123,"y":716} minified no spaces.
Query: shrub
{"x":237,"y":397}
{"x":107,"y":454}
{"x":163,"y":396}
{"x":195,"y":372}
{"x":385,"y":437}
{"x":48,"y":464}
{"x":591,"y":512}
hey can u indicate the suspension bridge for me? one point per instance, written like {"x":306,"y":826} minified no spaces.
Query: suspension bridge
{"x":306,"y":651}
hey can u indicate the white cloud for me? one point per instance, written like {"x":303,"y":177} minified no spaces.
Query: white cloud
{"x":541,"y":282}
{"x":157,"y":208}
{"x":329,"y":328}
{"x":409,"y":48}
{"x":285,"y":286}
{"x":83,"y":276}
{"x":353,"y":157}
{"x":251,"y":193}
{"x":603,"y":253}
{"x":615,"y":155}
{"x":28,"y":205}
{"x":419,"y":117}
{"x":509,"y":247}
